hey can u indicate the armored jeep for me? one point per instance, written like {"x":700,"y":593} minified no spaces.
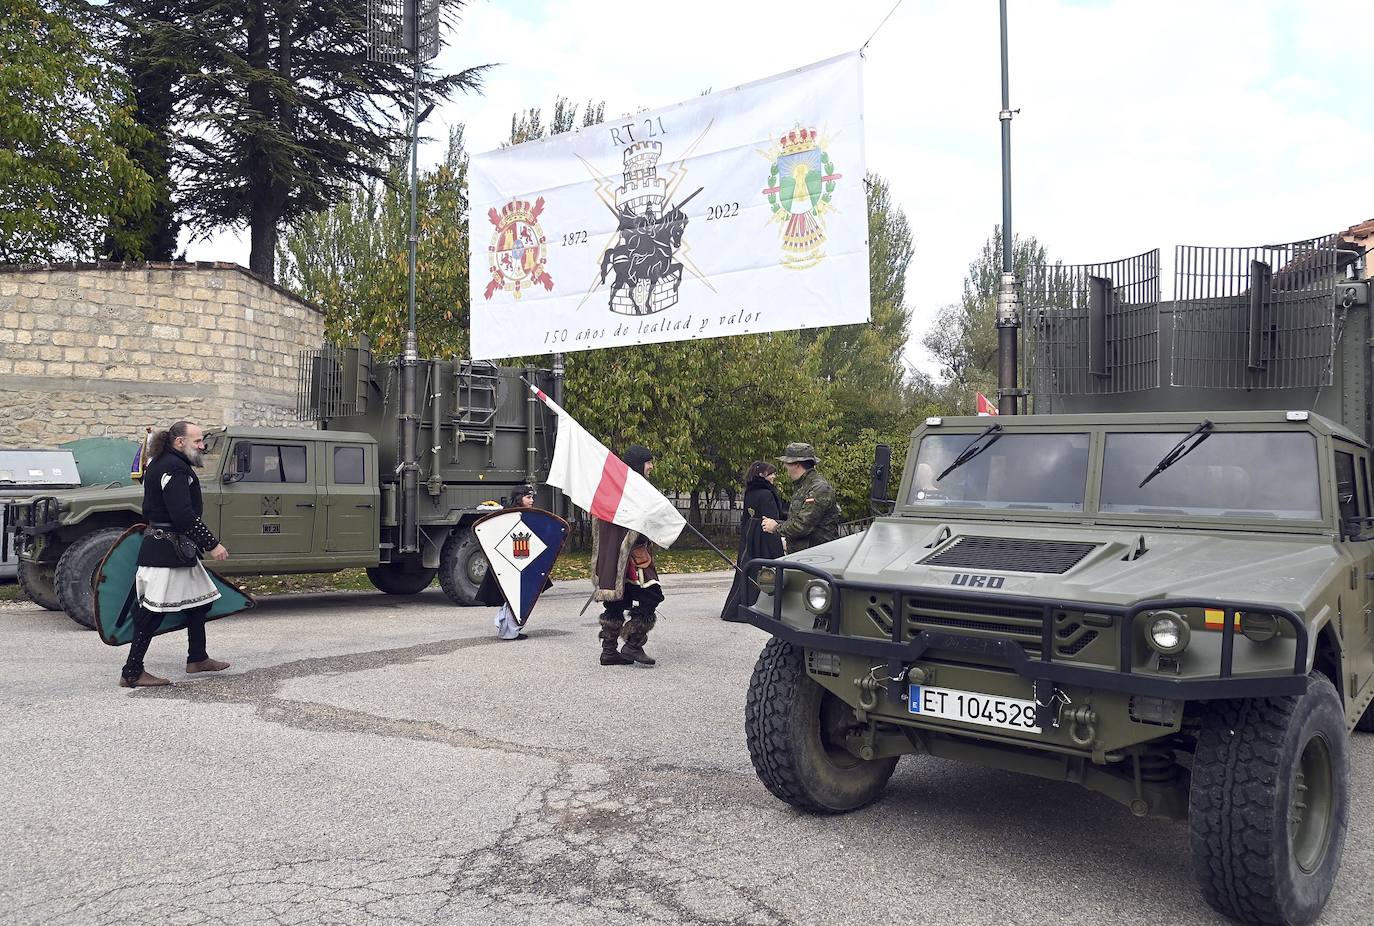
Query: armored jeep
{"x":305,"y":500}
{"x":1161,"y":592}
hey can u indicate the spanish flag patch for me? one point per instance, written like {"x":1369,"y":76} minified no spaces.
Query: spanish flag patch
{"x":1215,"y":619}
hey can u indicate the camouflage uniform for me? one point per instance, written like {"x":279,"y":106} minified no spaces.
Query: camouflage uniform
{"x":813,"y":516}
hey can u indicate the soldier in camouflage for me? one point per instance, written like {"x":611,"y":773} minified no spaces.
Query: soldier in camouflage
{"x":813,"y":516}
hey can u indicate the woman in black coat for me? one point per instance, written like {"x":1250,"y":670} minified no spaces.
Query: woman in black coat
{"x":761,"y":501}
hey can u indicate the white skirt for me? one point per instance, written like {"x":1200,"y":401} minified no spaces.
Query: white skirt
{"x":163,"y":588}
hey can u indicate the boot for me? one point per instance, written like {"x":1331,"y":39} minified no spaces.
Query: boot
{"x":637,"y":654}
{"x":144,"y":680}
{"x":636,"y":635}
{"x":609,"y":655}
{"x":206,"y":665}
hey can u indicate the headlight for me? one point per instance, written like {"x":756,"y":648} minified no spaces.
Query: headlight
{"x":1259,"y":627}
{"x":1167,"y":633}
{"x":767,"y":579}
{"x":817,"y":596}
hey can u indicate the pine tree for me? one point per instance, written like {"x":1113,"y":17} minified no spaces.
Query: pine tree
{"x":280,"y":110}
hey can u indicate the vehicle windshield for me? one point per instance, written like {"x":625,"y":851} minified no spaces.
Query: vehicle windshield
{"x":1238,"y":474}
{"x":1047,"y":471}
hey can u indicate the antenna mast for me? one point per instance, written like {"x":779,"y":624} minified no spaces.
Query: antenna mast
{"x":407,"y":30}
{"x":1008,"y":307}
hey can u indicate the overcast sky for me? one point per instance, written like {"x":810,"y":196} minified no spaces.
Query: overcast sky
{"x":1143,"y":123}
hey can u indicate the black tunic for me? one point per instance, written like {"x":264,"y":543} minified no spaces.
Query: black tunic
{"x":171,"y":495}
{"x":761,"y":501}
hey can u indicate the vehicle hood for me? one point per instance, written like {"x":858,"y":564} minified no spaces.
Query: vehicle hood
{"x":108,"y":497}
{"x":1287,"y":570}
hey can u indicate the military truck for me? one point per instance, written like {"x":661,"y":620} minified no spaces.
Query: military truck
{"x":305,"y":500}
{"x":1156,"y":585}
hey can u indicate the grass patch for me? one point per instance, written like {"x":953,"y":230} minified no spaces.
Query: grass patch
{"x":569,"y":566}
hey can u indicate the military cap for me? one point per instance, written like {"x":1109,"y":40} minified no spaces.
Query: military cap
{"x":798,"y":452}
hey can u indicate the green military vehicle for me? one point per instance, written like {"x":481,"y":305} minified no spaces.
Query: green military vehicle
{"x":1161,"y":592}
{"x":303,"y":500}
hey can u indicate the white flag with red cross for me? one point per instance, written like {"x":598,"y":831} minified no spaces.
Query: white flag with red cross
{"x":602,"y":484}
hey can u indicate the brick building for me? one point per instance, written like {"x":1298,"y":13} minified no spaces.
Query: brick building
{"x":107,"y":349}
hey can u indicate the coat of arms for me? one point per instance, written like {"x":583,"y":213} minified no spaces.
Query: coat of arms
{"x":800,"y":186}
{"x":518,"y":254}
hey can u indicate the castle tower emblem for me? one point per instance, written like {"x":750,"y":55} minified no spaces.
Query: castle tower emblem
{"x":800,"y":186}
{"x":520,"y":545}
{"x":644,"y":275}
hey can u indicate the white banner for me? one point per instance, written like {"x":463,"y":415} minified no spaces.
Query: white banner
{"x":733,"y":213}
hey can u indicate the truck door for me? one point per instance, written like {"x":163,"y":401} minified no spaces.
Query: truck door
{"x":271,"y":509}
{"x":1352,"y":493}
{"x":351,"y":506}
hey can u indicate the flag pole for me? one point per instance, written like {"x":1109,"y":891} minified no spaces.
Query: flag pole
{"x":728,"y":561}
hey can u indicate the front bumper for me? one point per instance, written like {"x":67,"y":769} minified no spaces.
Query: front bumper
{"x":32,"y":518}
{"x":901,"y":650}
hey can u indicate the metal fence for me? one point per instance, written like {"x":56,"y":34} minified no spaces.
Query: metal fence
{"x":1093,"y":329}
{"x":1255,"y":317}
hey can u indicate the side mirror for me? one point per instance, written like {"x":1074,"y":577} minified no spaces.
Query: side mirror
{"x":240,"y":463}
{"x":881,"y":475}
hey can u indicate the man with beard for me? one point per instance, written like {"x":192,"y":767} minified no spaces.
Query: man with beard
{"x":170,"y":576}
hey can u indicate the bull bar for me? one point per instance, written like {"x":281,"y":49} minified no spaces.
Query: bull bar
{"x":1042,"y":673}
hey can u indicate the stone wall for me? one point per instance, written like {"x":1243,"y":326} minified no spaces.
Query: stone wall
{"x":108,"y":349}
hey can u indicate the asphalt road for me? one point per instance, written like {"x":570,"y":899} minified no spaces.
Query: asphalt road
{"x":379,"y":760}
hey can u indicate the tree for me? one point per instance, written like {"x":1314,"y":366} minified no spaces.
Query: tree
{"x":66,"y":130}
{"x":147,"y":232}
{"x":280,"y":108}
{"x":353,"y":259}
{"x":964,"y":336}
{"x":863,"y":364}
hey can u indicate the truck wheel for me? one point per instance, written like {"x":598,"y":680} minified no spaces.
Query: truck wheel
{"x":75,"y":576}
{"x":36,"y":580}
{"x":1270,"y":797}
{"x":795,"y":731}
{"x":396,"y":579}
{"x":462,"y":567}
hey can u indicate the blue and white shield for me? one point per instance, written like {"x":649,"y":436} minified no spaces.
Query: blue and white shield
{"x":521,"y":547}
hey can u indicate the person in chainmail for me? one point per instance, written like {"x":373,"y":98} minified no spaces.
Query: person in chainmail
{"x":170,"y":576}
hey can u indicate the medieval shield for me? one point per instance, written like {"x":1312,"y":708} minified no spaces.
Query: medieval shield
{"x":116,"y":597}
{"x":521,"y":546}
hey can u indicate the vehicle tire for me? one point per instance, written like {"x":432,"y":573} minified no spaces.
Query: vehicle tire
{"x":462,"y":567}
{"x":75,"y":576}
{"x":1270,"y":798}
{"x":397,"y":579}
{"x":794,"y":729}
{"x":37,"y":582}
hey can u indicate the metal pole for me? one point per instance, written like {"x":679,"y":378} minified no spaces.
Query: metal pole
{"x":1008,"y":310}
{"x":559,"y":506}
{"x":410,"y":411}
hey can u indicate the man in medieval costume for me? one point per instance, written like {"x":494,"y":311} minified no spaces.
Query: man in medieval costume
{"x":170,"y":576}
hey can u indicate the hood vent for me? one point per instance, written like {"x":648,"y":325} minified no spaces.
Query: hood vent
{"x":1011,"y":554}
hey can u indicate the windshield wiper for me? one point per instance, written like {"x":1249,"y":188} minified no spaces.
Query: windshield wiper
{"x":1201,"y":432}
{"x":972,"y":449}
